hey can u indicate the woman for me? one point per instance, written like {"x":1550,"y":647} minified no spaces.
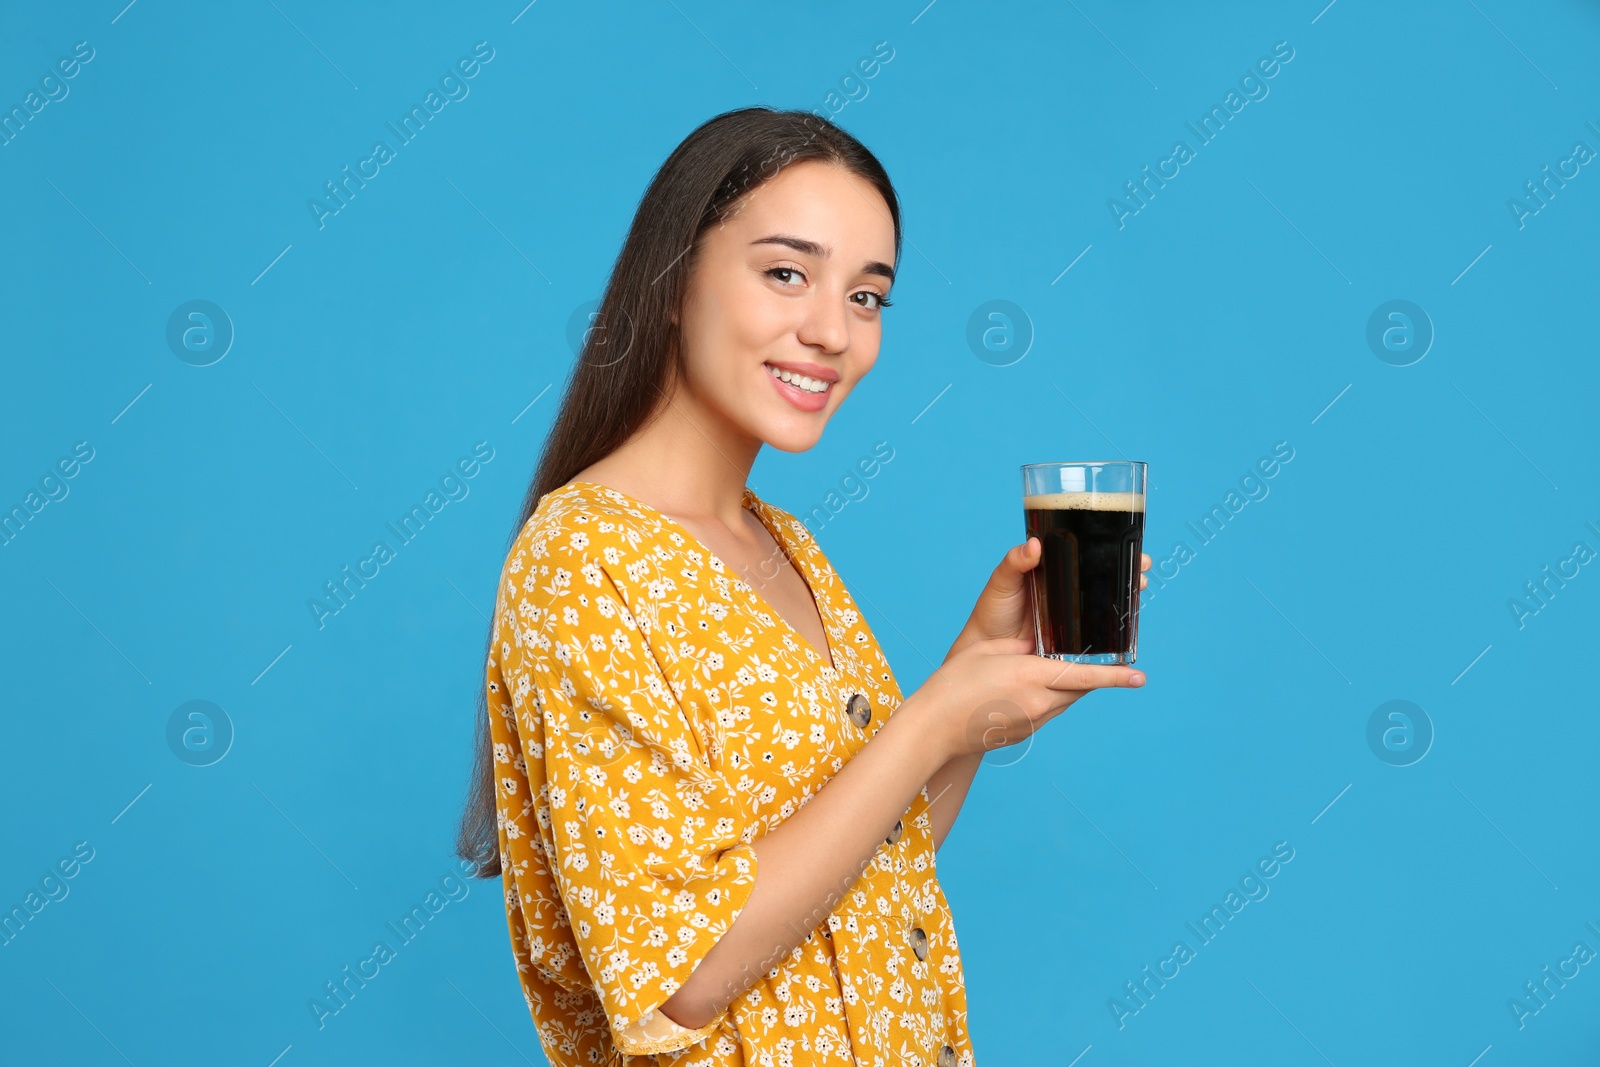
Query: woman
{"x":714,"y":815}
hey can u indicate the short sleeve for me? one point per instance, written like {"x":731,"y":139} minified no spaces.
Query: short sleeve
{"x":643,"y":839}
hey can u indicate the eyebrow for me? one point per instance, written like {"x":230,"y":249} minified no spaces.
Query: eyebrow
{"x":812,"y":248}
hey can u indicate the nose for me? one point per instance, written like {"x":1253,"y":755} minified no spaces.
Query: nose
{"x":826,"y":325}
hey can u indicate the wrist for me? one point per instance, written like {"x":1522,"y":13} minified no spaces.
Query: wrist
{"x":925,"y":734}
{"x":967,"y":636}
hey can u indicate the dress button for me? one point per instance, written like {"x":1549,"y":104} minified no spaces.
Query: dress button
{"x":947,"y":1057}
{"x":860,"y":711}
{"x":894,"y":835}
{"x":919,"y":942}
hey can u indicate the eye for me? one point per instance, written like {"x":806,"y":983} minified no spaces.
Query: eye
{"x":775,"y":271}
{"x":882,"y":301}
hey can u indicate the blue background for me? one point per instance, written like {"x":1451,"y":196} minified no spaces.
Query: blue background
{"x":1230,"y":313}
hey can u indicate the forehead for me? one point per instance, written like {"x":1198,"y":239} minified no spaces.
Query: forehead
{"x":822,"y":202}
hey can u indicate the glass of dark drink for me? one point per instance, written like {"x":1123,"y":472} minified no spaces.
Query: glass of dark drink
{"x":1089,"y":519}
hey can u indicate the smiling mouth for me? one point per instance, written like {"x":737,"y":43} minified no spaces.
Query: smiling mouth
{"x":799,"y":381}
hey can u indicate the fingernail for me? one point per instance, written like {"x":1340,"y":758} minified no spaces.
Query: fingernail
{"x":1136,"y":680}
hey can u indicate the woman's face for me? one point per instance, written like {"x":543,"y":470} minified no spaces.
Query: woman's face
{"x":791,"y":281}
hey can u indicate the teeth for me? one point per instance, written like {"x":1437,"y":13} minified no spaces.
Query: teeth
{"x":799,"y":381}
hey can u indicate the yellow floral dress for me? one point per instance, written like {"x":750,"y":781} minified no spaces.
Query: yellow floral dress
{"x":652,"y":717}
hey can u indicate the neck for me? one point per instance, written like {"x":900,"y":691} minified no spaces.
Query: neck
{"x":686,"y":462}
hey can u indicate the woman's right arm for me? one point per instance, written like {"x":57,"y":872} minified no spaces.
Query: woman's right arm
{"x":992,"y":693}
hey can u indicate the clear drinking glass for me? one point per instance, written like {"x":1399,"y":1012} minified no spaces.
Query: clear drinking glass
{"x":1089,"y":519}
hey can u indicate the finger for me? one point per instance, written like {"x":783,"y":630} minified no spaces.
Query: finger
{"x":1093,"y":676}
{"x":1143,"y":582}
{"x":1024,"y":557}
{"x":1144,"y":562}
{"x":1007,"y":579}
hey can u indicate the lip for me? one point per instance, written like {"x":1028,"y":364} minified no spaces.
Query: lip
{"x":810,"y":370}
{"x":799,"y":398}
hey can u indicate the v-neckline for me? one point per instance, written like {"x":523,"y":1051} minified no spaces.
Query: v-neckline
{"x":756,"y":506}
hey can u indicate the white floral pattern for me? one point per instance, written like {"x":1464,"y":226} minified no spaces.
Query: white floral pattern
{"x":651,"y":718}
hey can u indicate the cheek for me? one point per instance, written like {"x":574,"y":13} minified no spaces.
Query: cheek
{"x":866,"y":346}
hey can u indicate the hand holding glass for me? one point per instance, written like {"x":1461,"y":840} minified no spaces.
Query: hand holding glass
{"x":1089,"y":519}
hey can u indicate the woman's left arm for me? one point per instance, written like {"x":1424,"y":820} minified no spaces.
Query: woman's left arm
{"x":1004,"y":609}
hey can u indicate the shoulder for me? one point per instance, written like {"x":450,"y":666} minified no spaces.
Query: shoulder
{"x":578,"y":521}
{"x":580,"y":537}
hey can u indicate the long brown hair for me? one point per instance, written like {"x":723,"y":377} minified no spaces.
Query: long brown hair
{"x":631,"y":353}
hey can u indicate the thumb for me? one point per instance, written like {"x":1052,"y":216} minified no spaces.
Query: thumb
{"x":1008,"y":577}
{"x":1019,"y":560}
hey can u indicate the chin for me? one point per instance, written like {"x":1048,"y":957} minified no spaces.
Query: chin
{"x":793,"y":439}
